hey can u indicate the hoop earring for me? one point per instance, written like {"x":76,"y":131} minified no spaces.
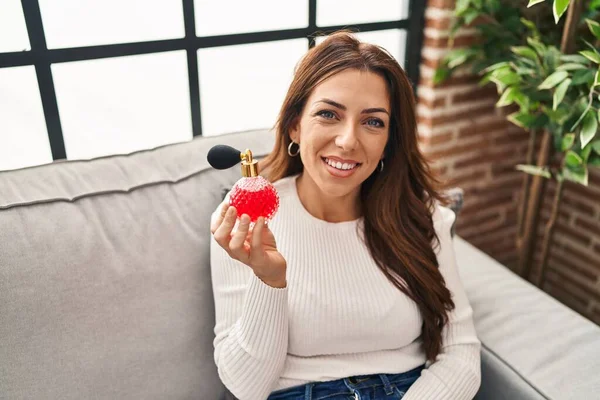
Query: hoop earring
{"x":381,"y":166}
{"x":290,"y":149}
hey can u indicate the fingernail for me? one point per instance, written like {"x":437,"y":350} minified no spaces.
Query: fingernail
{"x":245,"y":219}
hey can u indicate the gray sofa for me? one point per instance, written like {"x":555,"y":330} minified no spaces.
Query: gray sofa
{"x":105,"y":288}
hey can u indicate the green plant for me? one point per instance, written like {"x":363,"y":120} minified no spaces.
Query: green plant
{"x":553,"y":90}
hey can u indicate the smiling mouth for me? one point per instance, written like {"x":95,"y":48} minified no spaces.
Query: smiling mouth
{"x":341,"y":166}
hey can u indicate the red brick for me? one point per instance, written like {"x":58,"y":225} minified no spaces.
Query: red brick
{"x":568,"y":265}
{"x":450,"y":116}
{"x":455,"y":150}
{"x":433,"y":64}
{"x":512,"y":137}
{"x":441,"y":24}
{"x":461,"y":180}
{"x":577,"y":205}
{"x":564,"y":278}
{"x":474,"y":94}
{"x":452,"y":81}
{"x":566,"y":231}
{"x":569,"y":298}
{"x":443,"y":4}
{"x":438,"y":102}
{"x":482,"y":128}
{"x":592,"y":227}
{"x":484,"y":158}
{"x":444,"y":42}
{"x":498,"y":199}
{"x":591,"y":191}
{"x":437,"y":139}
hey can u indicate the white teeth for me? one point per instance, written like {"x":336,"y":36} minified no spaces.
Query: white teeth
{"x":339,"y":165}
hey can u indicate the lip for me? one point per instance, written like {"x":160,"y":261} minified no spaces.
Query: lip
{"x":341,"y":160}
{"x":338,"y":173}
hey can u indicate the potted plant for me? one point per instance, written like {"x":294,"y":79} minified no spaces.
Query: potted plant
{"x":547,"y":68}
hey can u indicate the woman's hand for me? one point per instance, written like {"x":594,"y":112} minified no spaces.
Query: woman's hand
{"x":256,"y":248}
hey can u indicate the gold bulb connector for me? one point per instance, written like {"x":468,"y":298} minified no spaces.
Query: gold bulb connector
{"x":249,"y":165}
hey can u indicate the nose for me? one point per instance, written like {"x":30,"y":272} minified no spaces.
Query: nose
{"x":347,"y":140}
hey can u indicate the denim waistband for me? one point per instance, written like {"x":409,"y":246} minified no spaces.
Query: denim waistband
{"x":345,"y":385}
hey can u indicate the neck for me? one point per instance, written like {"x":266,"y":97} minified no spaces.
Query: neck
{"x":327,"y":207}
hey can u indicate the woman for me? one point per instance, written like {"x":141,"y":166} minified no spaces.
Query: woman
{"x":359,"y":297}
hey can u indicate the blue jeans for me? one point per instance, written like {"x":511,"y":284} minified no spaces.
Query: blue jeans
{"x":363,"y":387}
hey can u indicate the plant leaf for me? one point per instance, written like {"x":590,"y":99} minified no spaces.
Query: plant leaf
{"x":507,"y":98}
{"x":591,"y":55}
{"x":470,"y":16}
{"x":567,"y":141}
{"x":594,"y":160}
{"x":596,"y":146}
{"x":559,"y":8}
{"x":578,"y":175}
{"x":537,"y":45}
{"x":525,"y":51}
{"x":573,"y":159}
{"x":500,"y":65}
{"x":457,"y":57}
{"x":574,"y":58}
{"x":553,"y":80}
{"x":440,"y":75}
{"x":534,"y":170}
{"x":559,"y":93}
{"x":583,"y":76}
{"x":597,"y":78}
{"x":524,"y":120}
{"x":570,"y":67}
{"x":461,"y":5}
{"x":585,"y":153}
{"x":594,"y":27}
{"x":505,"y":76}
{"x":534,"y":2}
{"x":588,"y":128}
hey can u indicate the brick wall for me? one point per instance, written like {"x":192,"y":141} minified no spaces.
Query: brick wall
{"x":473,"y":146}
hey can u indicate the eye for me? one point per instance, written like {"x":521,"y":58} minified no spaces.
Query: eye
{"x":326,"y":114}
{"x":375,"y":122}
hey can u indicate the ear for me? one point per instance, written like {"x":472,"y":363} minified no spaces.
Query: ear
{"x":295,"y":131}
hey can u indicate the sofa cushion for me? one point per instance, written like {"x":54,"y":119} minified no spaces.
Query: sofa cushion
{"x":533,"y":346}
{"x":105,"y":288}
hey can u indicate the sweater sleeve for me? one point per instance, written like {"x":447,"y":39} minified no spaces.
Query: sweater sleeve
{"x":456,"y":373}
{"x":251,"y":327}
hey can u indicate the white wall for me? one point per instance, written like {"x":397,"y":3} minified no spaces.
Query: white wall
{"x":119,"y":105}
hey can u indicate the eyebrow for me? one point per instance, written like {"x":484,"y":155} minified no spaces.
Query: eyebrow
{"x":343,"y":107}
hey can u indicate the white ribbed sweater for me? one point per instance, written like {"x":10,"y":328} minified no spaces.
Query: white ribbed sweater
{"x":339,"y":315}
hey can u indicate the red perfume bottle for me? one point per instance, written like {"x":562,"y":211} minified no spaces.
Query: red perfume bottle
{"x":252,"y":194}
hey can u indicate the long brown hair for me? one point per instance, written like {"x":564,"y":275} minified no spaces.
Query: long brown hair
{"x":397,"y":203}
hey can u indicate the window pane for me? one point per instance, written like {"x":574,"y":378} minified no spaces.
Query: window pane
{"x":242,"y":87}
{"x":393,"y":40}
{"x":123,"y":104}
{"x":23,"y":135}
{"x":337,"y":12}
{"x":13,"y":31}
{"x":237,"y":16}
{"x":73,"y":23}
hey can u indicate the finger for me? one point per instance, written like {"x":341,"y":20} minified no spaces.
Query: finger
{"x":218,"y":217}
{"x":223,"y":232}
{"x":256,"y":245}
{"x":236,"y":245}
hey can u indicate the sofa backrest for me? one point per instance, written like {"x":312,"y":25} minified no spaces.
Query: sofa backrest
{"x":105,"y":287}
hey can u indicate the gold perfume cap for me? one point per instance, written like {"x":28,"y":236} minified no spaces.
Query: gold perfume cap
{"x":249,"y":165}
